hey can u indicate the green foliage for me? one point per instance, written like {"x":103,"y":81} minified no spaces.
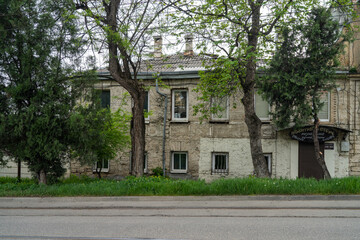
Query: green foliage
{"x":220,"y":80}
{"x":159,"y":186}
{"x":103,"y":133}
{"x":303,"y":68}
{"x":158,"y":172}
{"x":42,"y":118}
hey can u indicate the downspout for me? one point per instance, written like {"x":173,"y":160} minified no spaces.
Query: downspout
{"x":164,"y":131}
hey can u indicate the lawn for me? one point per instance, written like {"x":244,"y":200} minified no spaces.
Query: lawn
{"x":159,"y":186}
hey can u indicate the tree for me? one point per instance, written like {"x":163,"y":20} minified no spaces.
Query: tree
{"x":126,"y":26}
{"x":242,"y":32}
{"x":38,"y":89}
{"x":302,"y":70}
{"x":103,"y":133}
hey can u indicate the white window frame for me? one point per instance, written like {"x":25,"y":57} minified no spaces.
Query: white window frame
{"x":328,"y":105}
{"x":102,"y":169}
{"x":172,"y":162}
{"x":268,"y":158}
{"x":214,"y":115}
{"x":147,"y":119}
{"x":177,"y":119}
{"x":261,"y":118}
{"x":219,"y":171}
{"x":145,"y":162}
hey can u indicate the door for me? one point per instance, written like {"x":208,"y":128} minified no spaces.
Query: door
{"x":308,"y":166}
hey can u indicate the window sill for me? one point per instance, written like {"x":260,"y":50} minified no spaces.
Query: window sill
{"x":178,"y":171}
{"x":179,"y":121}
{"x":225,"y":121}
{"x":265,"y":121}
{"x":106,"y":170}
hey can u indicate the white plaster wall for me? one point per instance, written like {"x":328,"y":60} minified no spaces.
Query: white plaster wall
{"x":10,"y":170}
{"x":240,"y":163}
{"x":337,"y":162}
{"x":294,"y":162}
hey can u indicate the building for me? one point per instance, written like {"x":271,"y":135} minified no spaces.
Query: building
{"x":219,"y":147}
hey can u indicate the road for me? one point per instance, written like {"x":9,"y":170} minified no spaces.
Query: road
{"x":228,"y":217}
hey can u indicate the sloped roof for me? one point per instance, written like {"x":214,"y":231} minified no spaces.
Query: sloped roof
{"x":174,"y":63}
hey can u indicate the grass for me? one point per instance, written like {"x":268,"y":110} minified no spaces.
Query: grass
{"x":158,"y":186}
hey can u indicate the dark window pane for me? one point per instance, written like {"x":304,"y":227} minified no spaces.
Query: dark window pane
{"x":176,"y":161}
{"x":106,"y":164}
{"x":183,"y":161}
{"x":105,"y":99}
{"x":146,"y":103}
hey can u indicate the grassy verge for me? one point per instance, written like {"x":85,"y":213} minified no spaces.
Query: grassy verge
{"x":157,"y":186}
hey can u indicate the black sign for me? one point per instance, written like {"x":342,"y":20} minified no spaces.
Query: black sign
{"x":305,"y":134}
{"x":329,"y":146}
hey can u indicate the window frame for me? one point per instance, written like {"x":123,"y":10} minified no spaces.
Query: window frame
{"x":186,"y":162}
{"x":223,"y":119}
{"x":101,"y":98}
{"x":328,"y":108}
{"x":268,"y":161}
{"x":95,"y":168}
{"x":213,"y":158}
{"x":268,"y":118}
{"x":147,"y":94}
{"x":173,"y":118}
{"x":145,"y":162}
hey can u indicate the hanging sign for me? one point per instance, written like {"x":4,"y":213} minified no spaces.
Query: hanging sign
{"x":305,"y":134}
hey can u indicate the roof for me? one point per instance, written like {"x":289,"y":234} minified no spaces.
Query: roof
{"x":174,"y":63}
{"x":177,"y":66}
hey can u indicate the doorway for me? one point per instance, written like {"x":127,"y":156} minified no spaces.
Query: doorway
{"x":308,"y":166}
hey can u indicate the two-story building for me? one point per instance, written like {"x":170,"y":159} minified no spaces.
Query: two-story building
{"x":219,"y":146}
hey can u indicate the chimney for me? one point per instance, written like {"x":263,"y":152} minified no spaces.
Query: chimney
{"x":189,"y":45}
{"x":157,"y":46}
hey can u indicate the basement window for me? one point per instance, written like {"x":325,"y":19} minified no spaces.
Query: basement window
{"x":101,"y":166}
{"x":220,"y":163}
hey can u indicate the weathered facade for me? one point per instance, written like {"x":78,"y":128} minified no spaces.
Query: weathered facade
{"x":219,"y":147}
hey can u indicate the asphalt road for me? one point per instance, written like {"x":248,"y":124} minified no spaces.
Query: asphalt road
{"x":265,"y":217}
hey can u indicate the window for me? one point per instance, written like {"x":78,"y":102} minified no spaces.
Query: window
{"x":179,"y":162}
{"x":324,"y":111}
{"x":145,"y":162}
{"x":102,"y":166}
{"x":262,"y":107}
{"x":105,"y":98}
{"x":220,"y":163}
{"x":222,"y":107}
{"x":268,"y":158}
{"x":146,"y":106}
{"x":180,"y":105}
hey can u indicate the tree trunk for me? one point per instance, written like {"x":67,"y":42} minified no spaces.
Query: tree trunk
{"x":138,"y":135}
{"x":42,"y":177}
{"x":319,"y":156}
{"x":253,"y":124}
{"x":19,"y":171}
{"x":126,"y":77}
{"x":252,"y":121}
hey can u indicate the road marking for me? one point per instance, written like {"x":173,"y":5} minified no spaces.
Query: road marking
{"x":76,"y":238}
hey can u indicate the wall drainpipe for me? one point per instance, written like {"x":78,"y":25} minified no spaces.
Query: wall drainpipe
{"x":164,"y":131}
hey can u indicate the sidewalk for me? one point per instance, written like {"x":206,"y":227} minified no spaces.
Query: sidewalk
{"x":186,"y":202}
